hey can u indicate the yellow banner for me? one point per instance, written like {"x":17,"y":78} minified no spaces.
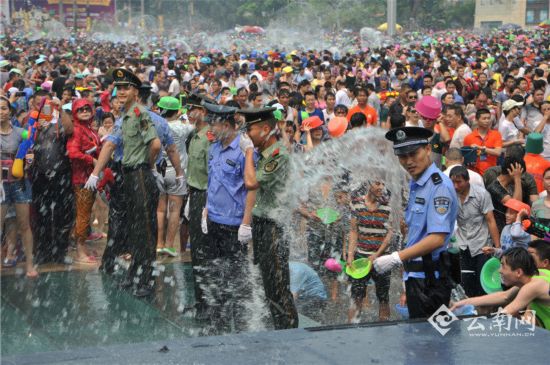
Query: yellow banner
{"x":82,"y":2}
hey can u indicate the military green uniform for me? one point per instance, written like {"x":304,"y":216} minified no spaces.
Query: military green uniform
{"x":197,"y":179}
{"x":140,"y":191}
{"x":271,"y":251}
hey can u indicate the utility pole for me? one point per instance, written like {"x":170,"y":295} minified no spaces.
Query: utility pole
{"x":60,"y":11}
{"x":74,"y":17}
{"x":142,"y":22}
{"x":392,"y":10}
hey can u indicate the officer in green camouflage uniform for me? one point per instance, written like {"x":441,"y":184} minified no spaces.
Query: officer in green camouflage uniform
{"x":268,"y":179}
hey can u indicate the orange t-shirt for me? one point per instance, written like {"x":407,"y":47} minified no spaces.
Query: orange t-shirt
{"x":536,"y":165}
{"x":493,"y":139}
{"x":368,"y":111}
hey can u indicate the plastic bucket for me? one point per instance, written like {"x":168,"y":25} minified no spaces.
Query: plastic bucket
{"x":359,"y":268}
{"x":403,"y":311}
{"x":327,"y":215}
{"x":490,"y":276}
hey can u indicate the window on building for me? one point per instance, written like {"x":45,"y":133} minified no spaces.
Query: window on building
{"x":530,"y":16}
{"x":490,"y":25}
{"x":543,"y":15}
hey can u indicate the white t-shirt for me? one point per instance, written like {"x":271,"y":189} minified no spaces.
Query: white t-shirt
{"x":343,"y":98}
{"x":475,"y":178}
{"x":174,"y":88}
{"x":459,"y":135}
{"x":241,"y":82}
{"x":508,"y":131}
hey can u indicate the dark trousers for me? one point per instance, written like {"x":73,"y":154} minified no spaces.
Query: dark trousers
{"x":197,"y":202}
{"x":470,"y":281}
{"x":142,"y":196}
{"x":424,"y":299}
{"x":54,"y":213}
{"x":117,"y":236}
{"x":271,"y":254}
{"x":225,"y":274}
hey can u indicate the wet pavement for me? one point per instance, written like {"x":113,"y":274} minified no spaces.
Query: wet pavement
{"x":71,"y":309}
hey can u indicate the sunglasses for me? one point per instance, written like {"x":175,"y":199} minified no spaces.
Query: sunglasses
{"x":84,"y":110}
{"x":412,"y":97}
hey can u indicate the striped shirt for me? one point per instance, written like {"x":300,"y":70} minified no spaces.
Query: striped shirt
{"x":372,"y":225}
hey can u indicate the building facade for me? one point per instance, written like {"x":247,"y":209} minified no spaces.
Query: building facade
{"x":526,"y":13}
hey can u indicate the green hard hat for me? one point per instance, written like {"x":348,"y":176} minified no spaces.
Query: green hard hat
{"x":169,"y":103}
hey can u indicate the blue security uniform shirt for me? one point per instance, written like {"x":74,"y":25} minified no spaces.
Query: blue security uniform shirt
{"x":226,"y":191}
{"x":163,"y":131}
{"x":432,"y":208}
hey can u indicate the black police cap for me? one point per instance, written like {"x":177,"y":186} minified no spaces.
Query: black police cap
{"x":256,"y":115}
{"x":408,"y":139}
{"x":196,"y":100}
{"x":121,"y":76}
{"x":145,"y":86}
{"x":219,"y":113}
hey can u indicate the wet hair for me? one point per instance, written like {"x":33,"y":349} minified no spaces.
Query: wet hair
{"x":542,"y":247}
{"x":253,"y":96}
{"x":397,"y":120}
{"x":360,"y":89}
{"x":519,"y":258}
{"x":168,"y":113}
{"x":232,"y":103}
{"x":341,"y":107}
{"x":516,"y":151}
{"x":283,"y":92}
{"x":482,"y":111}
{"x":509,"y":162}
{"x":308,"y":93}
{"x":453,"y":154}
{"x":460,"y":171}
{"x":241,"y":90}
{"x":107,"y":115}
{"x":358,"y":120}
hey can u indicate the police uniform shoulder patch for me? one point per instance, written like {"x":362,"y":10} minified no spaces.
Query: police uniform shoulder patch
{"x":442,"y":204}
{"x":271,"y":166}
{"x":436,"y":178}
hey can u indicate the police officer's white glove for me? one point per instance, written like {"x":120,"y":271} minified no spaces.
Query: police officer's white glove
{"x":245,"y":143}
{"x":204,"y":224}
{"x":186,"y":210}
{"x":387,"y":262}
{"x":2,"y":193}
{"x":180,"y":181}
{"x":91,"y":183}
{"x":245,"y":233}
{"x":159,"y":180}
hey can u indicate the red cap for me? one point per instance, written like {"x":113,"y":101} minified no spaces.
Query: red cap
{"x":312,"y":122}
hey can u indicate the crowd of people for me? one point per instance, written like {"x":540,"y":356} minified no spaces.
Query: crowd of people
{"x":199,"y":145}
